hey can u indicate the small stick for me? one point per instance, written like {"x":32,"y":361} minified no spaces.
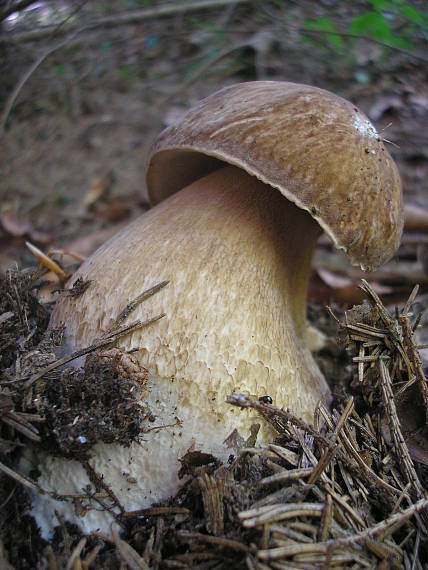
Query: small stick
{"x":346,"y":507}
{"x":417,"y":321}
{"x":279,"y":418}
{"x":384,"y":315}
{"x":47,"y":262}
{"x":276,"y":513}
{"x":127,"y":553}
{"x":416,"y":550}
{"x":91,"y":556}
{"x":361,"y":359}
{"x":327,"y":456}
{"x":130,"y":307}
{"x":26,"y":481}
{"x":156,"y":512}
{"x":75,"y":555}
{"x":26,"y":429}
{"x":415,"y":360}
{"x":410,"y":300}
{"x":216,"y":540}
{"x":112,"y":336}
{"x":287,"y":475}
{"x":326,"y":518}
{"x":395,"y":427}
{"x":98,"y":481}
{"x":392,"y":522}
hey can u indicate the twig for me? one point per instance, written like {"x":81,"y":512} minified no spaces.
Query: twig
{"x":415,"y":360}
{"x":404,"y":51}
{"x":392,"y":522}
{"x":327,"y":456}
{"x":99,"y":483}
{"x":104,"y":341}
{"x":16,"y":91}
{"x":33,"y":485}
{"x":384,"y":315}
{"x":212,"y":499}
{"x":156,"y":512}
{"x":279,"y":420}
{"x":401,"y":448}
{"x":206,"y":66}
{"x":130,"y":307}
{"x":276,"y":417}
{"x":410,"y":300}
{"x":218,"y":541}
{"x":287,"y":475}
{"x":326,"y":518}
{"x":352,"y":35}
{"x":275,"y":513}
{"x":75,"y":555}
{"x":416,"y":550}
{"x":91,"y":556}
{"x":17,"y":7}
{"x":26,"y":481}
{"x":14,"y":420}
{"x":127,"y":553}
{"x":47,"y":262}
{"x":128,"y":17}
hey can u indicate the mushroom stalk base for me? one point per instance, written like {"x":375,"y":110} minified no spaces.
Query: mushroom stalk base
{"x":237,"y":257}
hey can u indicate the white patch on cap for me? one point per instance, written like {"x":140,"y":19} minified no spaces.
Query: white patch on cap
{"x":365,"y":127}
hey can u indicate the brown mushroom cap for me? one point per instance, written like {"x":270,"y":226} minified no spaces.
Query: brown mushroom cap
{"x":316,"y":148}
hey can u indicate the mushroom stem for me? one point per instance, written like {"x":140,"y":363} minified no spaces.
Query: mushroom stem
{"x":237,"y":257}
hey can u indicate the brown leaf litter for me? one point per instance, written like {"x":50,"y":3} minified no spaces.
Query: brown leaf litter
{"x":348,"y":491}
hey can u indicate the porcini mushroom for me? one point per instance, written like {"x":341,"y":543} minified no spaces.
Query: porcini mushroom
{"x":245,"y":184}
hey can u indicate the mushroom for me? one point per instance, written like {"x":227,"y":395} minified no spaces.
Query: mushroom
{"x":243,"y":187}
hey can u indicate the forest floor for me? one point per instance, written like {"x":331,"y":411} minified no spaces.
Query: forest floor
{"x":74,"y":149}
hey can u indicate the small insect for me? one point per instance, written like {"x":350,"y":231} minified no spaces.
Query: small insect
{"x":265,"y":399}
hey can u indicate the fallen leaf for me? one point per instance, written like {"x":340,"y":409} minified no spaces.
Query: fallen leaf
{"x":114,"y":210}
{"x":13,"y":225}
{"x":16,"y":226}
{"x":423,"y":257}
{"x":415,"y":218}
{"x":334,"y":280}
{"x":326,"y":286}
{"x":99,"y":189}
{"x":88,"y":244}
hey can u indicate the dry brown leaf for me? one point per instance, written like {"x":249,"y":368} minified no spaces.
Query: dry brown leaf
{"x":98,"y":190}
{"x":415,"y":218}
{"x":88,"y":244}
{"x":326,"y":286}
{"x":14,"y":225}
{"x":20,"y":227}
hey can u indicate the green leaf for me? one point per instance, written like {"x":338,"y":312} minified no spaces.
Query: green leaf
{"x":375,"y":25}
{"x":401,"y":42}
{"x":59,"y":69}
{"x":125,"y":74}
{"x":381,"y":4}
{"x":412,"y":14}
{"x":326,"y":25}
{"x":370,"y":22}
